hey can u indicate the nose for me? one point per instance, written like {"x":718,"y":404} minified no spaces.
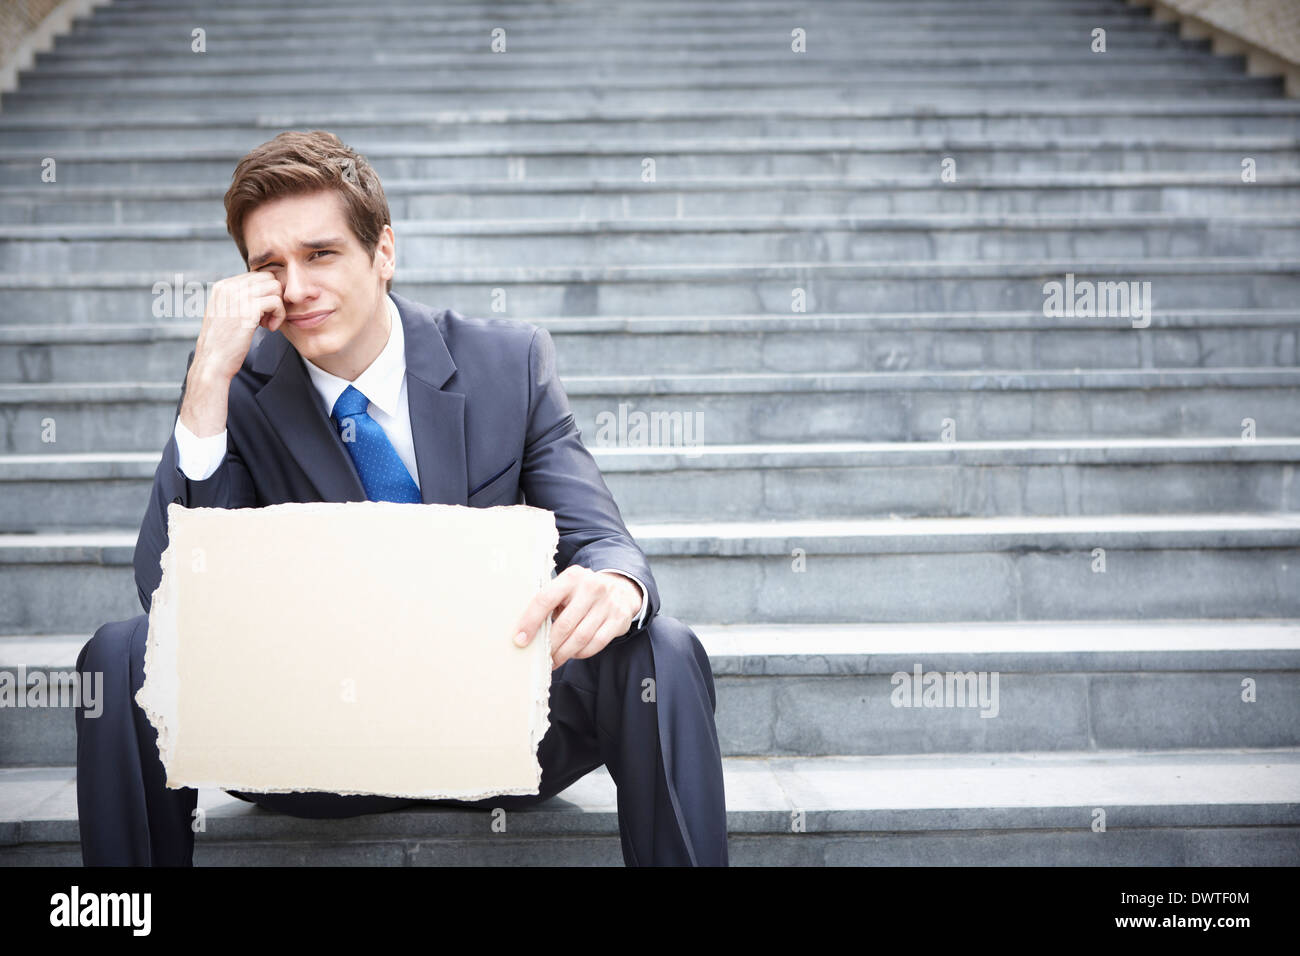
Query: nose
{"x":297,"y":285}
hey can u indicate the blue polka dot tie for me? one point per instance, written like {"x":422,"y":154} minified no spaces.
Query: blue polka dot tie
{"x":381,"y":469}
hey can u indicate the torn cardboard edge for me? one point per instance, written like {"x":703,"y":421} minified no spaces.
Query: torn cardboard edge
{"x":260,"y":610}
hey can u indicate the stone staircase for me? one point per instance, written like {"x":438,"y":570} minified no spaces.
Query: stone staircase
{"x":916,"y":471}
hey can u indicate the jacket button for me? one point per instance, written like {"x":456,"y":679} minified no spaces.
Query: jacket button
{"x":177,"y":500}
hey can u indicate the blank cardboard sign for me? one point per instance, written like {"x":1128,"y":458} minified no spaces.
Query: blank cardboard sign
{"x":350,"y":647}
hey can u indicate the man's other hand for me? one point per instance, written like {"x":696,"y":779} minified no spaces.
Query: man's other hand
{"x":594,"y":609}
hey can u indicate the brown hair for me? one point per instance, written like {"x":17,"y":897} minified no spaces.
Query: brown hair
{"x":296,"y":162}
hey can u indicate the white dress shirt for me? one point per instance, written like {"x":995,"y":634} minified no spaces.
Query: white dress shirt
{"x":383,"y":383}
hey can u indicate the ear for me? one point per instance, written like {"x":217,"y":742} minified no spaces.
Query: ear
{"x":386,"y":253}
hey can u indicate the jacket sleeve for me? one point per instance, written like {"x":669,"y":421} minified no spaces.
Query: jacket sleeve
{"x":559,"y":474}
{"x":228,"y":487}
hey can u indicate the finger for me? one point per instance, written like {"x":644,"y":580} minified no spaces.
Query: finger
{"x":608,"y":631}
{"x":540,"y":608}
{"x":278,"y":314}
{"x":583,"y":610}
{"x":572,"y":609}
{"x":578,"y":640}
{"x":271,"y":310}
{"x":259,"y":285}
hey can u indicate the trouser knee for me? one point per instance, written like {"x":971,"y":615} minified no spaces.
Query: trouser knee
{"x":114,"y":646}
{"x":676,"y":647}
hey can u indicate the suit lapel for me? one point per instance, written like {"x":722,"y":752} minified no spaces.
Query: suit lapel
{"x":437,"y":417}
{"x":294,"y":409}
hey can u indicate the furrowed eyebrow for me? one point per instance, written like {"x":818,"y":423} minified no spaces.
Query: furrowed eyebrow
{"x":260,"y":260}
{"x":322,"y":243}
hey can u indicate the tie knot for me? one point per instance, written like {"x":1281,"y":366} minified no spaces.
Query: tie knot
{"x":350,"y":403}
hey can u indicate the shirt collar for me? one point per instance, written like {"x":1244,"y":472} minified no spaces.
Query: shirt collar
{"x":381,"y":382}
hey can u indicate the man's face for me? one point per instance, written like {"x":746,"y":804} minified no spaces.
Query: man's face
{"x":333,"y":291}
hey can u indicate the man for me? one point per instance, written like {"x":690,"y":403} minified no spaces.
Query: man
{"x":311,"y":382}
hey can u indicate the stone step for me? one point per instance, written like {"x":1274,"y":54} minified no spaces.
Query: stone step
{"x":1213,"y":566}
{"x":969,"y":119}
{"x":416,"y":20}
{"x":448,"y":39}
{"x":419,"y":17}
{"x":664,"y":92}
{"x":852,"y":689}
{"x":168,"y":67}
{"x":541,"y":39}
{"x":738,"y":240}
{"x":152,"y":12}
{"x":711,"y":32}
{"x":55,"y":492}
{"x":491,"y":71}
{"x":1180,"y":808}
{"x":992,"y":569}
{"x":960,"y":479}
{"x":1261,"y":338}
{"x":1118,"y":193}
{"x":687,"y":159}
{"x":460,"y":7}
{"x":116,"y":298}
{"x":683,"y":411}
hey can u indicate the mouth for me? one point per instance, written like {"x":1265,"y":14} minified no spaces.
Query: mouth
{"x":309,"y":320}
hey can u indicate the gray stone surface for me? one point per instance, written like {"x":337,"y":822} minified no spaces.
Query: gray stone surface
{"x":1028,"y":808}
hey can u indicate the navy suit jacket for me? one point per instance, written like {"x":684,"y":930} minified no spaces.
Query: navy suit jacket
{"x":491,"y":424}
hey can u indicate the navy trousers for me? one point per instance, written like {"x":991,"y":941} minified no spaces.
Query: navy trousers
{"x":662,"y":754}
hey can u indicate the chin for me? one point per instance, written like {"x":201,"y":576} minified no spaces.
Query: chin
{"x":303,"y":341}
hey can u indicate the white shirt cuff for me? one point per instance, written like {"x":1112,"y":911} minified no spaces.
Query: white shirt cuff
{"x":198,"y":458}
{"x":645,"y":598}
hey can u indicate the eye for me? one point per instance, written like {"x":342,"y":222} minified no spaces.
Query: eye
{"x":322,"y":252}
